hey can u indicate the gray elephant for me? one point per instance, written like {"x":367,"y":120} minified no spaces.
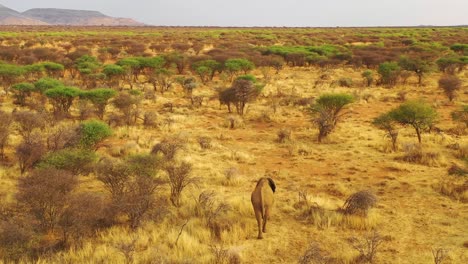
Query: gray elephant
{"x":262,"y":201}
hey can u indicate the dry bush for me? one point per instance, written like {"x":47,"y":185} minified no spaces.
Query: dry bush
{"x":222,"y":255}
{"x":179,"y":178}
{"x":150,"y":120}
{"x":205,"y":142}
{"x":169,"y":147}
{"x":439,"y":255}
{"x":5,"y":131}
{"x":16,"y":240}
{"x":457,"y":170}
{"x":231,"y":174}
{"x":454,"y":187}
{"x":284,"y":135}
{"x":132,"y":185}
{"x":29,"y":153}
{"x":62,"y":136}
{"x":462,"y":152}
{"x":27,"y":122}
{"x":85,"y":110}
{"x":359,"y":203}
{"x":114,"y":175}
{"x":78,"y":222}
{"x":234,"y":121}
{"x":209,"y":207}
{"x":402,"y":96}
{"x":315,"y":255}
{"x":368,"y":246}
{"x":414,"y":153}
{"x":46,"y":193}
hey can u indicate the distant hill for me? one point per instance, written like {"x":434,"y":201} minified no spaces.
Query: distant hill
{"x":11,"y":17}
{"x":55,"y":16}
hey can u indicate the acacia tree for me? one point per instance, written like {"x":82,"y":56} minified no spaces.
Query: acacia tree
{"x":114,"y":73}
{"x":46,"y":83}
{"x":53,"y":69}
{"x":206,"y":69}
{"x":234,"y":66}
{"x":178,"y":60}
{"x":161,"y":78}
{"x":99,"y":98}
{"x":9,"y":75}
{"x":418,"y":66}
{"x":418,"y":114}
{"x":244,"y":89}
{"x":62,"y":98}
{"x":450,"y":84}
{"x":387,"y":123}
{"x":327,"y":111}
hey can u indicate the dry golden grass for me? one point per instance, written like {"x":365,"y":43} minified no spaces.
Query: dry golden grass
{"x":413,"y":209}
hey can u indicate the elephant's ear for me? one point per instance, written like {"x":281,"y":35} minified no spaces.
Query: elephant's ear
{"x":272,"y":184}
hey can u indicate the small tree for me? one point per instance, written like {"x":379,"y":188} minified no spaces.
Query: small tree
{"x":161,"y":78}
{"x":92,"y":132}
{"x":389,"y":73}
{"x":450,"y":84}
{"x":99,"y":98}
{"x":128,"y":103}
{"x":461,"y":115}
{"x":22,"y":91}
{"x":327,"y":111}
{"x":387,"y":123}
{"x":243,"y":90}
{"x":368,"y":76}
{"x":188,"y":84}
{"x":417,"y":114}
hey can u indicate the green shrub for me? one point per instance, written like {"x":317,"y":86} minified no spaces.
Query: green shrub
{"x":76,"y":161}
{"x":92,"y":132}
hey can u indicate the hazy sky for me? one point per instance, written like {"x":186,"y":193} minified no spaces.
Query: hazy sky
{"x":270,"y":12}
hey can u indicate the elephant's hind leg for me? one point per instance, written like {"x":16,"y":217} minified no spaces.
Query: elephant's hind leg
{"x":258,"y":215}
{"x":265,"y":218}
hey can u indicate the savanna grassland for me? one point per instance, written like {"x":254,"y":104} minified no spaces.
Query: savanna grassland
{"x":117,"y":144}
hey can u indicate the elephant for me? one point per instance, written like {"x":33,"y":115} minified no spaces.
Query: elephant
{"x":262,"y":202}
